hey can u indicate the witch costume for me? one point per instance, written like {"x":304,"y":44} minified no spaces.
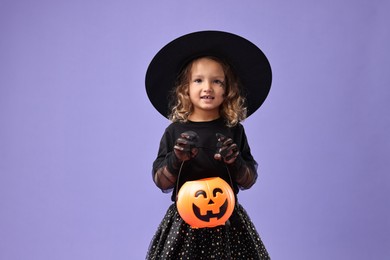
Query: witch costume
{"x":237,"y":238}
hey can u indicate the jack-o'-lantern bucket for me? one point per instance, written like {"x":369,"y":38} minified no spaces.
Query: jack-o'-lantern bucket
{"x":207,"y":202}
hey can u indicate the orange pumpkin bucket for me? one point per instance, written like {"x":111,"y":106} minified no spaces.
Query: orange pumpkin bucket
{"x":205,"y":203}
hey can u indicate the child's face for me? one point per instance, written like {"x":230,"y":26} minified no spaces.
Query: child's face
{"x":206,"y":88}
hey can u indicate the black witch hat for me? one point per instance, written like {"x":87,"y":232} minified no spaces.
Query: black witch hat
{"x":247,"y":61}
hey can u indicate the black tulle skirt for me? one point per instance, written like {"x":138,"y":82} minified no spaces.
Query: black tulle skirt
{"x":238,"y":239}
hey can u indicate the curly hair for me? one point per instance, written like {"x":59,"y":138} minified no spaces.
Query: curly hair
{"x":233,"y":108}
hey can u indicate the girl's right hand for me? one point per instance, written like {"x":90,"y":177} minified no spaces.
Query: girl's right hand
{"x":185,"y":146}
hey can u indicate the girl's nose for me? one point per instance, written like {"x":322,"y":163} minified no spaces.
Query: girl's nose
{"x":208,"y":87}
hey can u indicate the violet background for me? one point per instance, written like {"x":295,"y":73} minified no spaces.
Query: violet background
{"x":78,"y":134}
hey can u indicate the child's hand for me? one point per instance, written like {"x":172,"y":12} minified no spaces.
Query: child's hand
{"x":185,"y":148}
{"x":226,"y":149}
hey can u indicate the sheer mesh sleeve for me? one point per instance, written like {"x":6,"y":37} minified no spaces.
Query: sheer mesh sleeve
{"x":244,"y":173}
{"x":244,"y":169}
{"x":163,"y":176}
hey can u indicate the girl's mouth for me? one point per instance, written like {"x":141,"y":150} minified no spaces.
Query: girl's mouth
{"x":207,"y":97}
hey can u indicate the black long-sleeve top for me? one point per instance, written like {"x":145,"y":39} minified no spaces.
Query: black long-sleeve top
{"x":243,"y":172}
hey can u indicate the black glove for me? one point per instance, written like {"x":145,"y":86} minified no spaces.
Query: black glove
{"x":185,"y":146}
{"x":226,"y":149}
{"x":184,"y":150}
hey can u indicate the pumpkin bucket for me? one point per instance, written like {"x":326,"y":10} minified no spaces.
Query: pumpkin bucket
{"x":206,"y":202}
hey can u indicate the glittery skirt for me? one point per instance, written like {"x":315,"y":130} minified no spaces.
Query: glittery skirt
{"x":237,"y":239}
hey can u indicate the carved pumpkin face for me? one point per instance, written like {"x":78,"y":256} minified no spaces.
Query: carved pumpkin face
{"x":205,"y":203}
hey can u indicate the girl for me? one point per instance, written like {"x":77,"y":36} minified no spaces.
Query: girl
{"x":212,"y":72}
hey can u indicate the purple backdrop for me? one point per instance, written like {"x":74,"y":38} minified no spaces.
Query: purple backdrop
{"x":78,"y":134}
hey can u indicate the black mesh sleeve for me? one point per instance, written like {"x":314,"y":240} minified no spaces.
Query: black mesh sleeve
{"x":244,"y":169}
{"x":166,"y":165}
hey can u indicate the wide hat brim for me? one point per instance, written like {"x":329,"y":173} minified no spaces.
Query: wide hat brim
{"x":246,"y":59}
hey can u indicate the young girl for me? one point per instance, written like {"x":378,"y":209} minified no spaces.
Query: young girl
{"x":218,"y":80}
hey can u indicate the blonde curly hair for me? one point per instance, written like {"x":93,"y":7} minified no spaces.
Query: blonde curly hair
{"x":232,"y":109}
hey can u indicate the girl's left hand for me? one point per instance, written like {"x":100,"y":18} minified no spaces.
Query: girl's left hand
{"x":226,"y":149}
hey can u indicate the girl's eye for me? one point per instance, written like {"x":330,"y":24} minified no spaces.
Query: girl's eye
{"x":218,"y":82}
{"x":198,"y":81}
